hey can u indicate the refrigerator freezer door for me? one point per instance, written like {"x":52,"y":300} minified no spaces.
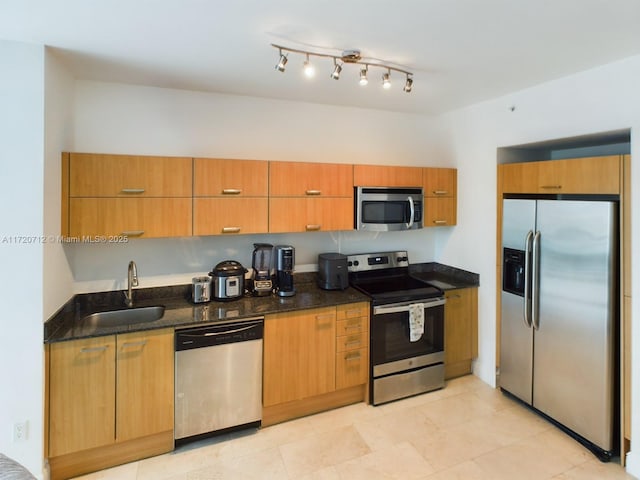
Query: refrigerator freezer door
{"x":516,"y":338}
{"x":516,"y":349}
{"x":573,"y":346}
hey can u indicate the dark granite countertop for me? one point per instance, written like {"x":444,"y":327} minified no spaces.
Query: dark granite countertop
{"x":180,"y":311}
{"x":444,"y":277}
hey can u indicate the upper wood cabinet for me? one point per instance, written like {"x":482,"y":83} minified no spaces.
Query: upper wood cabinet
{"x":230,"y":196}
{"x":590,"y":175}
{"x":310,"y":214}
{"x":440,"y":187}
{"x":385,"y":176}
{"x":215,"y":177}
{"x":295,"y":179}
{"x":135,"y":196}
{"x":100,"y":175}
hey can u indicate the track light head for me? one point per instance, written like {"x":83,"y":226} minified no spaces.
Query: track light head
{"x":336,"y":70}
{"x":282,"y":62}
{"x":363,"y":76}
{"x":386,"y":80}
{"x":309,"y":69}
{"x":408,"y":85}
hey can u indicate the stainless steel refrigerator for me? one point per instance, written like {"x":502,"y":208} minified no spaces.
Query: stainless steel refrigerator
{"x":559,"y":313}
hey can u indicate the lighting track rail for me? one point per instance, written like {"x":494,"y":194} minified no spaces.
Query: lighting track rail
{"x":347,"y":57}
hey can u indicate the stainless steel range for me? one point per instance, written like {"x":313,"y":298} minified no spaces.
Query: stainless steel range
{"x":407,"y":326}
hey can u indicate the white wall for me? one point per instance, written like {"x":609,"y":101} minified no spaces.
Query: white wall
{"x":21,"y":286}
{"x":59,"y":88}
{"x":116,"y":118}
{"x":602,"y":99}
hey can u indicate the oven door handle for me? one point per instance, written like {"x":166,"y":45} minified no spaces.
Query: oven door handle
{"x":382,"y":309}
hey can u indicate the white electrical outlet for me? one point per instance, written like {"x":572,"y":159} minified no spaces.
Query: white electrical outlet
{"x":20,"y":431}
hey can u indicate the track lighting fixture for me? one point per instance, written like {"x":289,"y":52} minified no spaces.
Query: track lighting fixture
{"x":347,"y":57}
{"x":282,"y":62}
{"x":386,"y":80}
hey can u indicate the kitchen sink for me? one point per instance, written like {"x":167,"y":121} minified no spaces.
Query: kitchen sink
{"x":118,"y":318}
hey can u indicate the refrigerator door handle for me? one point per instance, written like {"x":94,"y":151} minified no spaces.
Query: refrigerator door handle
{"x":527,"y":279}
{"x":535,"y":282}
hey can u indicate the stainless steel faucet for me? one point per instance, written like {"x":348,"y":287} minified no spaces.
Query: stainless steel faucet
{"x":132,"y":281}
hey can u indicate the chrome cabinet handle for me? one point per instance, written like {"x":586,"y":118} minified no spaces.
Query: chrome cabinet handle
{"x":353,"y":327}
{"x":551,"y":187}
{"x":133,"y":233}
{"x":352,"y":356}
{"x":141,"y":343}
{"x":313,"y":192}
{"x":440,"y":192}
{"x":132,"y":190}
{"x":230,"y":229}
{"x":527,"y":267}
{"x":231,"y":191}
{"x":352,"y":313}
{"x":440,"y":222}
{"x":313,"y":227}
{"x":353,"y":344}
{"x":94,"y":349}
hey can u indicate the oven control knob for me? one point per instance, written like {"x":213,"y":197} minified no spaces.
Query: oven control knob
{"x":349,"y":263}
{"x":356,"y":263}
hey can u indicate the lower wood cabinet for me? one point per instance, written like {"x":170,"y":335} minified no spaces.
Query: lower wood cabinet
{"x":314,"y":360}
{"x":460,"y":331}
{"x":110,"y":401}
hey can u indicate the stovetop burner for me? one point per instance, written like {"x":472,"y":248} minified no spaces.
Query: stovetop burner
{"x":385,"y":278}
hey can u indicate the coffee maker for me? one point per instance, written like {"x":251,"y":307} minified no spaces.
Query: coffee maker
{"x":285,"y":262}
{"x":262,"y":283}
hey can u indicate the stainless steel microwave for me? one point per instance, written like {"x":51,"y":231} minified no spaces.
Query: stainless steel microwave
{"x":386,"y":209}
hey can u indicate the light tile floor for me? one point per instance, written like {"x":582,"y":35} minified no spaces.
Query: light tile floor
{"x":466,"y":431}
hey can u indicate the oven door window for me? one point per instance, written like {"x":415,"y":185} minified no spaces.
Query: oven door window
{"x":385,"y":212}
{"x":390,"y":336}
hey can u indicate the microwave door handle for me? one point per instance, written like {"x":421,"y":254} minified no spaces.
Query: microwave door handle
{"x":412,"y":210}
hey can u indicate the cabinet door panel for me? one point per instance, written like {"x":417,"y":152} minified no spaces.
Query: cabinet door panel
{"x":137,"y":217}
{"x":520,"y":177}
{"x":598,"y":175}
{"x":215,"y":216}
{"x":310,"y":214}
{"x":383,"y":176}
{"x":290,"y":179}
{"x":460,"y":331}
{"x":299,"y":355}
{"x":243,"y":178}
{"x":99,"y":175}
{"x":439,"y":211}
{"x":144,"y":383}
{"x":440,"y":182}
{"x":82,"y":395}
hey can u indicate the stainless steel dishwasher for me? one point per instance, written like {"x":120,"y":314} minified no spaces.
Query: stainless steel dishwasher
{"x":218,"y":378}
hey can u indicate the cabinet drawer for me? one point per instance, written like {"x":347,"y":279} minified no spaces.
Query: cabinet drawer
{"x":217,"y":216}
{"x":351,"y":326}
{"x":98,"y":175}
{"x":353,"y":310}
{"x":134,"y":217}
{"x":352,"y":368}
{"x":352,"y":342}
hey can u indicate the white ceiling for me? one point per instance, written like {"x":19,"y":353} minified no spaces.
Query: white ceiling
{"x":461,"y":51}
